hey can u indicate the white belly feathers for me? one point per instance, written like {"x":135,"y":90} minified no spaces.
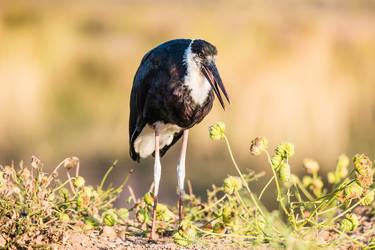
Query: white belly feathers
{"x":144,"y":145}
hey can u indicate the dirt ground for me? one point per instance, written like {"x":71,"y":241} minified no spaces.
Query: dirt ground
{"x":113,"y":238}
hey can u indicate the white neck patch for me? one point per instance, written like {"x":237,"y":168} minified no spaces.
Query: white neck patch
{"x":194,"y":79}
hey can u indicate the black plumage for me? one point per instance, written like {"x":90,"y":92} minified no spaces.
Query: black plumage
{"x":173,"y":89}
{"x":160,"y":95}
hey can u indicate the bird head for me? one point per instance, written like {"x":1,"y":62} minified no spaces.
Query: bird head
{"x":204,"y":54}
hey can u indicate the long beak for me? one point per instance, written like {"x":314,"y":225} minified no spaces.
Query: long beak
{"x":212,"y":74}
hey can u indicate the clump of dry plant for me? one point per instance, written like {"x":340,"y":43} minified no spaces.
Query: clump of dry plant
{"x":37,"y":208}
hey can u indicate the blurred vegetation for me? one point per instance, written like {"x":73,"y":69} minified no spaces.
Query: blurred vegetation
{"x":296,"y":70}
{"x":40,"y":210}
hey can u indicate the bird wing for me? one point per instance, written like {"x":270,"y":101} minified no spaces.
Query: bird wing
{"x":137,"y":102}
{"x":150,"y":69}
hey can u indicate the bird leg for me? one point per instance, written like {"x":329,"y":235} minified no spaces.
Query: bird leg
{"x":157,"y":174}
{"x":181,"y":174}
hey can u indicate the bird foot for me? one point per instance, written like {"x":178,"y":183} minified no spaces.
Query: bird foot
{"x":153,"y":237}
{"x":180,"y":209}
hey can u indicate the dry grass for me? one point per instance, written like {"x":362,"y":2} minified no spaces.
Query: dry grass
{"x":39,"y":210}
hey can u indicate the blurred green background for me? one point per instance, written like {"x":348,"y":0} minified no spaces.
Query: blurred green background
{"x":302,"y":71}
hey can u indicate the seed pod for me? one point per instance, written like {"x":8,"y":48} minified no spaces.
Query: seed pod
{"x":365,"y":180}
{"x":294,"y":179}
{"x":143,"y":215}
{"x":71,"y":162}
{"x":276,"y":161}
{"x":82,"y":201}
{"x":88,"y":191}
{"x":331,"y":177}
{"x":368,"y":198}
{"x":258,"y":145}
{"x":123,"y":213}
{"x":110,"y":218}
{"x":362,"y":164}
{"x":180,"y":240}
{"x":64,"y":217}
{"x":232,"y":184}
{"x":163,"y":213}
{"x":307,"y":181}
{"x":316,"y":186}
{"x":64,"y":193}
{"x":79,"y":182}
{"x":228,"y":215}
{"x":148,"y":199}
{"x":342,"y":166}
{"x":353,"y":191}
{"x":91,"y":223}
{"x":285,"y":150}
{"x":35,"y":162}
{"x":217,"y":131}
{"x":284,"y":172}
{"x":311,"y":166}
{"x":350,"y":223}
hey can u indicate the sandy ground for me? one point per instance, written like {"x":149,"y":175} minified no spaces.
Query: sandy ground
{"x":113,"y":238}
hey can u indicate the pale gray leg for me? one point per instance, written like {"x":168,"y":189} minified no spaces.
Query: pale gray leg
{"x":157,"y":174}
{"x":181,"y":174}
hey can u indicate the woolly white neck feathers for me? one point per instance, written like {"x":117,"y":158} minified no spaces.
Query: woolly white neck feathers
{"x":194,"y":79}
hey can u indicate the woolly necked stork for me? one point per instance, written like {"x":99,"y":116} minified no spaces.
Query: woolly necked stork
{"x":173,"y":90}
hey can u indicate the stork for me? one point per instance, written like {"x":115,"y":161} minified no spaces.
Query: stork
{"x":173,"y":90}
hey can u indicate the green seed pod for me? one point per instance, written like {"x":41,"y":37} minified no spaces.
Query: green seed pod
{"x":180,"y":240}
{"x":228,"y":215}
{"x":294,"y":179}
{"x":149,"y":199}
{"x":311,"y":166}
{"x":186,"y":234}
{"x":79,"y":182}
{"x":285,"y":150}
{"x":276,"y":161}
{"x":350,"y":223}
{"x":258,"y":145}
{"x":368,"y":198}
{"x":88,"y":191}
{"x":143,"y":215}
{"x":82,"y":201}
{"x":90,"y":223}
{"x":64,"y":217}
{"x":346,"y":225}
{"x":163,"y":213}
{"x":110,"y":218}
{"x":232,"y":184}
{"x":284,"y":172}
{"x":217,"y":131}
{"x":353,"y":191}
{"x":316,"y":186}
{"x":331,"y":177}
{"x":307,"y":181}
{"x":342,"y":166}
{"x":64,"y":193}
{"x":123,"y":213}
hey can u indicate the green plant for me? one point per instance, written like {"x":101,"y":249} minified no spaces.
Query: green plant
{"x":36,"y":208}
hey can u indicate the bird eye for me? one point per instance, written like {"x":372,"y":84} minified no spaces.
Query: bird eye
{"x":200,"y":54}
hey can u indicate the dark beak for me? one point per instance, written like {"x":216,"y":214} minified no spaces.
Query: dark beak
{"x":212,"y":74}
